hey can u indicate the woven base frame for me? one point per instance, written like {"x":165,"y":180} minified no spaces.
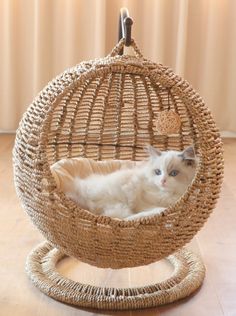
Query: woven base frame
{"x":187,"y":277}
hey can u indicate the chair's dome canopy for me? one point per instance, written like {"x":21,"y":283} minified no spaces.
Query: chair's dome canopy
{"x":105,"y":109}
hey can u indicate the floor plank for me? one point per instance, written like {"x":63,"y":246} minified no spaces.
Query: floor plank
{"x":216,"y":243}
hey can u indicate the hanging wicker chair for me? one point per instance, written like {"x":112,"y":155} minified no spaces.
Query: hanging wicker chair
{"x":106,"y":109}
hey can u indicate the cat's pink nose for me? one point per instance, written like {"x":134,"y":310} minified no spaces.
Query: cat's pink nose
{"x":163,"y":181}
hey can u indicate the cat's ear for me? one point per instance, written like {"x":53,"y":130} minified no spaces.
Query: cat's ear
{"x":188,"y":156}
{"x":188,"y":153}
{"x":153,"y":152}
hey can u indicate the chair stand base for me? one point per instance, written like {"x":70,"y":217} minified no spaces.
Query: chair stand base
{"x":188,"y":275}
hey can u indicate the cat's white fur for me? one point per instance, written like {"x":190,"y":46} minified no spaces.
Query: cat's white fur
{"x":137,"y":192}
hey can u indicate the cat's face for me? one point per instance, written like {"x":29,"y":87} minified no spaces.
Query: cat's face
{"x":171,"y":171}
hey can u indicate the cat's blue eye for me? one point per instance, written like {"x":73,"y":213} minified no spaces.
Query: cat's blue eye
{"x":173,"y":173}
{"x":157,"y":172}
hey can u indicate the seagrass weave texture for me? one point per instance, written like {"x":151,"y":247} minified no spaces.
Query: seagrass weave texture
{"x":186,"y":278}
{"x":105,"y":109}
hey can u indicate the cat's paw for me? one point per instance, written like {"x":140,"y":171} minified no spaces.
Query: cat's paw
{"x":145,"y":213}
{"x":118,"y":211}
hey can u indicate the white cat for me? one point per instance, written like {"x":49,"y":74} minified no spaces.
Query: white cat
{"x":146,"y":189}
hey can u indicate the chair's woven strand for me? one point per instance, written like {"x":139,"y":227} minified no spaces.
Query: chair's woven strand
{"x":121,"y":45}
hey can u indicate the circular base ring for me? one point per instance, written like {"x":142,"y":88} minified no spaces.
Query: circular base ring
{"x":188,"y":275}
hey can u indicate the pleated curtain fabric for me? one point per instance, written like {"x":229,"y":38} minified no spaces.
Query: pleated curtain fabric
{"x":41,"y":38}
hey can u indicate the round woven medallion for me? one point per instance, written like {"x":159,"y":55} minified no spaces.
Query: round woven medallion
{"x":167,"y":122}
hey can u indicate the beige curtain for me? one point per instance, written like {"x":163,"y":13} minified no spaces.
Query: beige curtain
{"x":40,"y":38}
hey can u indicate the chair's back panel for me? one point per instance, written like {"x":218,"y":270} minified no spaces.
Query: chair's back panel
{"x":113,"y":117}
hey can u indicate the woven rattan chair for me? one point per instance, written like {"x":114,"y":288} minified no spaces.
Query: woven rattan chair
{"x":107,"y":109}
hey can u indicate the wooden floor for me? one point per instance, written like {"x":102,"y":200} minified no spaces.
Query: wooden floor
{"x":216,"y":244}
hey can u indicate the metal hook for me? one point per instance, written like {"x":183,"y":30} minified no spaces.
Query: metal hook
{"x":125,"y":24}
